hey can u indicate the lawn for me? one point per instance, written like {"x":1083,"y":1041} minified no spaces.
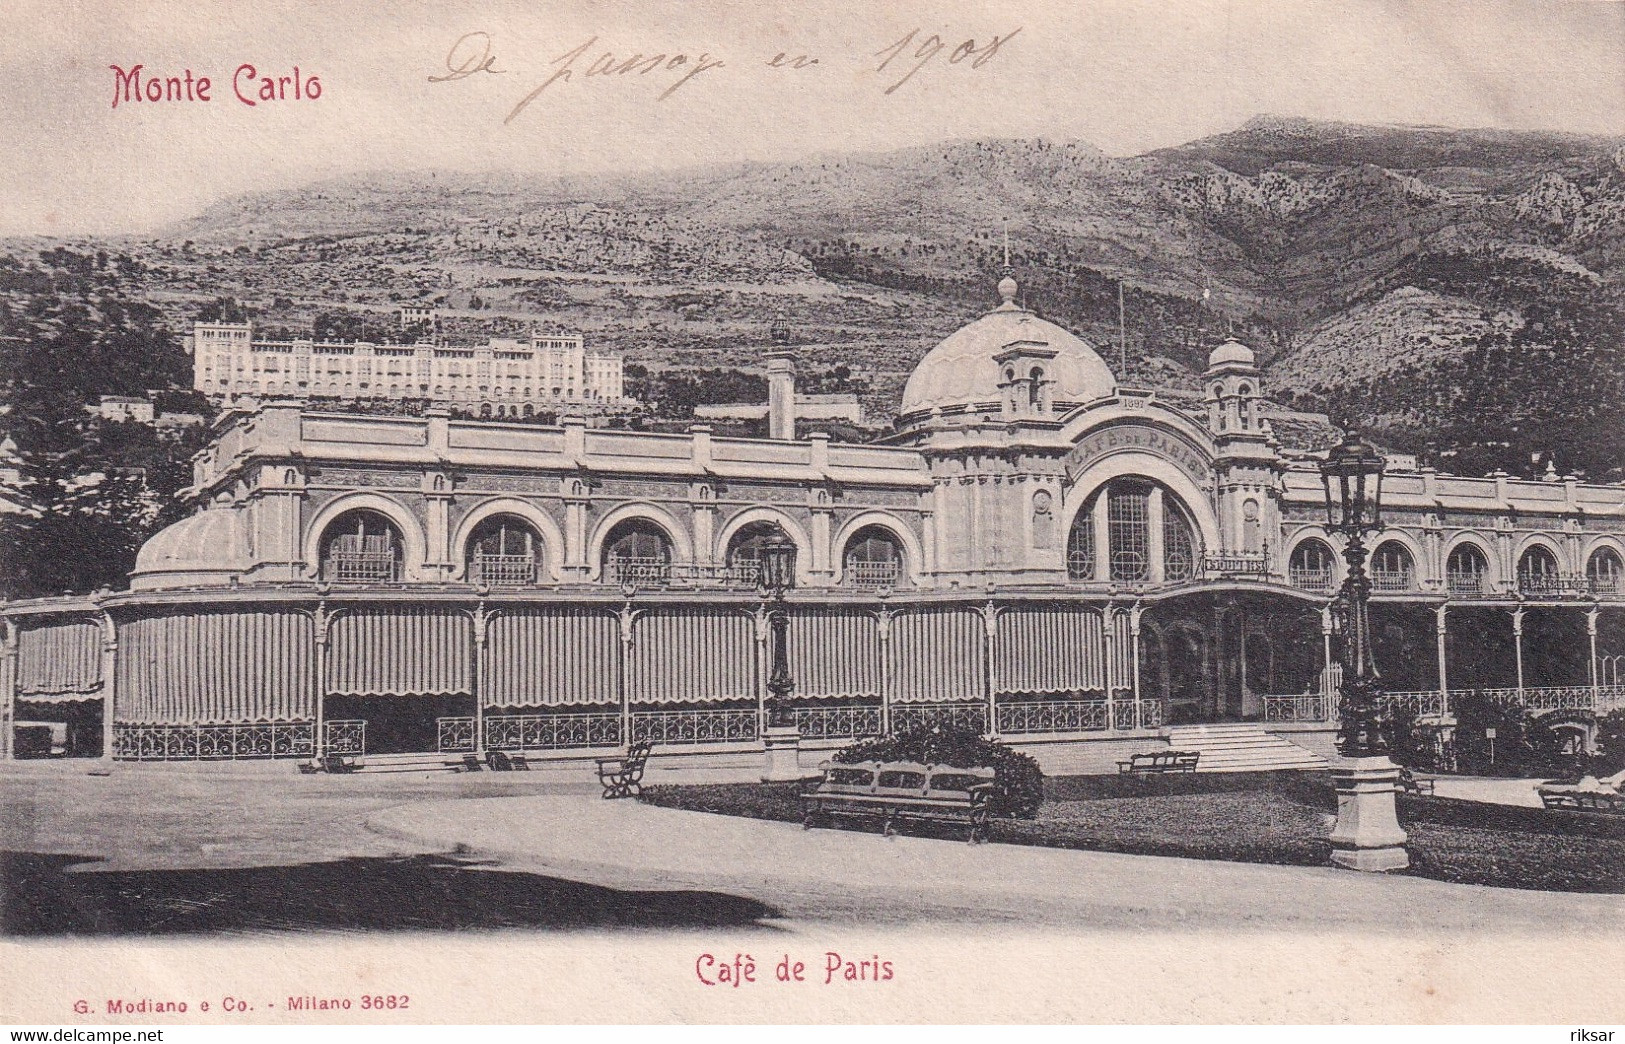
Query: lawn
{"x":1277,"y":817}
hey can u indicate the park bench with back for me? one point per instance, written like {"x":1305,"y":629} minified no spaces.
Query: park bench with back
{"x":903,"y":790}
{"x":1158,"y":762}
{"x":623,"y":776}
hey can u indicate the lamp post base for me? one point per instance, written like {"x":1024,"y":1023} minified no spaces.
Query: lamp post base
{"x":1368,"y":835}
{"x":783,"y":744}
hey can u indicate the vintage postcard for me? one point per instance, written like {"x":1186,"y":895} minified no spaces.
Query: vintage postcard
{"x":516,"y":511}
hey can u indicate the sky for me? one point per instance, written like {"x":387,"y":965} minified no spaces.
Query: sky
{"x":1125,"y":76}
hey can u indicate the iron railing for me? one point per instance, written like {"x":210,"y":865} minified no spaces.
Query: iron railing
{"x":853,"y":721}
{"x":345,"y":736}
{"x":278,"y":739}
{"x":727,"y":725}
{"x":361,"y":567}
{"x":454,"y":735}
{"x":970,"y":716}
{"x":1026,"y":717}
{"x":1392,"y":581}
{"x":1302,"y":707}
{"x":503,"y":570}
{"x":868,"y":575}
{"x":1310,"y":579}
{"x":1464,"y":585}
{"x":553,"y":731}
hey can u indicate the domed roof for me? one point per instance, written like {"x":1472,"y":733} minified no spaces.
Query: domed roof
{"x":962,"y":369}
{"x":209,"y":542}
{"x":1231,"y":351}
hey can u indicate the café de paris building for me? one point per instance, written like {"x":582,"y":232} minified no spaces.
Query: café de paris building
{"x":1036,"y":552}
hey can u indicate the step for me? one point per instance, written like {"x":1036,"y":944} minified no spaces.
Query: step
{"x":1241,"y":747}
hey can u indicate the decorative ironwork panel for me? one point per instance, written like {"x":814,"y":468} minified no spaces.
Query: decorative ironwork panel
{"x":345,"y":737}
{"x":695,"y":726}
{"x":1303,"y":707}
{"x":1310,"y":579}
{"x":971,"y":716}
{"x":849,"y":722}
{"x":264,"y":739}
{"x":1044,"y":716}
{"x":454,"y":735}
{"x":870,"y":575}
{"x":552,"y":731}
{"x":503,"y":570}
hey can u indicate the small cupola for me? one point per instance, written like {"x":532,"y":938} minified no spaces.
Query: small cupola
{"x":1234,"y":388}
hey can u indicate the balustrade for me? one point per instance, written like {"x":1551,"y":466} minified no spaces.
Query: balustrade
{"x":280,"y":739}
{"x":503,"y":570}
{"x":361,"y":567}
{"x":552,"y":731}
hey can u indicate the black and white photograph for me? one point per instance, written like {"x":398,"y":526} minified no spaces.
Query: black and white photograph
{"x":949,"y":512}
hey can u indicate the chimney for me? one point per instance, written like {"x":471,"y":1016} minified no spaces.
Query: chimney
{"x":781,"y":395}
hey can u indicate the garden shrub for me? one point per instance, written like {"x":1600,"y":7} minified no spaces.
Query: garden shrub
{"x":1018,"y":781}
{"x":1610,"y":743}
{"x":1526,"y":743}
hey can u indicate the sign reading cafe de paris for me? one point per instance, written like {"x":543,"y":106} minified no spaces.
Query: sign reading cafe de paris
{"x":1035,"y":551}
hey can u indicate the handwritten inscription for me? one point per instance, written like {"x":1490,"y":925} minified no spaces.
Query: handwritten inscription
{"x":591,"y":62}
{"x":933,"y":46}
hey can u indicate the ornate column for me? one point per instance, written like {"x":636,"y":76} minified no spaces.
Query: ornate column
{"x":322,"y":620}
{"x":482,"y":620}
{"x":1444,"y":677}
{"x":1591,"y":640}
{"x":1108,"y":625}
{"x":1517,"y":646}
{"x":883,"y":620}
{"x":1326,"y":689}
{"x":990,"y":631}
{"x":1134,"y":614}
{"x":627,"y":616}
{"x":8,"y":687}
{"x":109,"y":681}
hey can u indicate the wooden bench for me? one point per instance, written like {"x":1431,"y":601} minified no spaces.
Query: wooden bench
{"x":623,"y":776}
{"x":1157,"y":762}
{"x":893,"y":790}
{"x":1575,"y":800}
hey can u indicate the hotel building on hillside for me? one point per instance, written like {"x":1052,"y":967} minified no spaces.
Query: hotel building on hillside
{"x":505,"y":377}
{"x":1036,"y":552}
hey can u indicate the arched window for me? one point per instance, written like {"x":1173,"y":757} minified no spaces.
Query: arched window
{"x":1391,"y":567}
{"x":639,"y":552}
{"x":1537,"y":571}
{"x":873,"y":558}
{"x":1465,"y":570}
{"x":503,"y":552}
{"x":1312,"y":565}
{"x":745,"y":550}
{"x":1178,"y":543}
{"x":1128,"y":530}
{"x":361,"y":547}
{"x":1080,"y":547}
{"x":1603,"y":570}
{"x":1034,"y":388}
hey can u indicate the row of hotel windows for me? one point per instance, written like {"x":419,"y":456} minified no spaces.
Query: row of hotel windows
{"x":1312,"y":566}
{"x":505,"y":551}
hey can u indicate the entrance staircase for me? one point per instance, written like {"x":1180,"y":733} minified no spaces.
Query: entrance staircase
{"x":1241,"y":747}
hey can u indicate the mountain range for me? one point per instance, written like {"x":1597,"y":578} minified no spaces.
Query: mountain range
{"x":1460,"y":293}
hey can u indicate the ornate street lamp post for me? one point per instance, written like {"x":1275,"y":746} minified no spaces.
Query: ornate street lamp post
{"x":1367,"y":835}
{"x":778,"y":569}
{"x":781,"y":737}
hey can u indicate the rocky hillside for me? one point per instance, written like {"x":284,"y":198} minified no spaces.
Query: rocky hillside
{"x":1373,"y":267}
